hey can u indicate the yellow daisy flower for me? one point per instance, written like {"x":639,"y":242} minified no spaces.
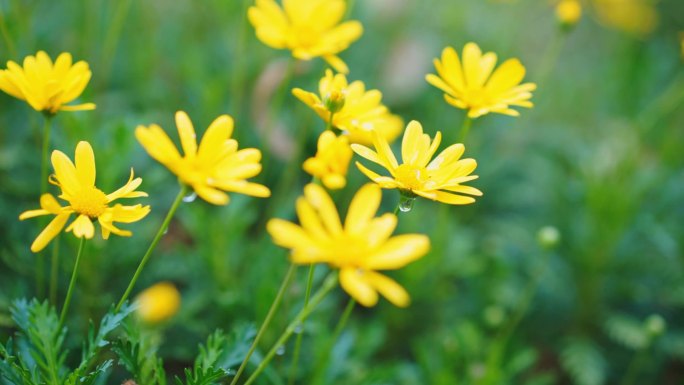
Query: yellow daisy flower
{"x":440,"y":179}
{"x":47,"y":86}
{"x":77,"y":182}
{"x":354,"y":110}
{"x":308,"y":28}
{"x":213,"y":167}
{"x":638,"y":17}
{"x":331,"y":162}
{"x":358,"y":248}
{"x":472,"y":84}
{"x":158,"y":303}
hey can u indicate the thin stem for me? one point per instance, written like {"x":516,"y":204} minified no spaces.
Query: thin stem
{"x":157,"y":238}
{"x":323,"y":360}
{"x":328,"y":285}
{"x":267,"y":321}
{"x":74,"y":274}
{"x":47,"y":124}
{"x":640,"y":357}
{"x":465,"y":129}
{"x":112,"y":37}
{"x":350,"y":8}
{"x":551,"y":56}
{"x":298,"y":343}
{"x":54,"y":270}
{"x":238,"y":81}
{"x":6,"y":37}
{"x":329,"y":123}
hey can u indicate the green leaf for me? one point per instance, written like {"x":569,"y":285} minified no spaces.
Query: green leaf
{"x":584,"y":362}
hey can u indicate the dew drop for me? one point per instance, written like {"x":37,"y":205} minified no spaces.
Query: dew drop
{"x":298,"y":329}
{"x":406,"y":204}
{"x":280,"y":351}
{"x":190,"y":198}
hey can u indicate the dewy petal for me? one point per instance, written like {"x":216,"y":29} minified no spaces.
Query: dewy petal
{"x":362,"y":209}
{"x":399,"y":251}
{"x":389,"y":289}
{"x":82,"y":227}
{"x":85,"y":164}
{"x":187,"y":134}
{"x":353,"y":282}
{"x":50,"y":232}
{"x":65,"y":172}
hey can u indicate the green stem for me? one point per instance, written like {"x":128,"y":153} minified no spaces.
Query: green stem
{"x":6,"y":37}
{"x":112,"y":38}
{"x":238,"y":81}
{"x":329,"y":123}
{"x":267,"y":321}
{"x":328,"y":285}
{"x":635,"y":365}
{"x":74,"y":274}
{"x":550,"y":57}
{"x":465,"y":129}
{"x":323,"y":360}
{"x":300,"y":335}
{"x":350,"y":7}
{"x":47,"y":124}
{"x":157,"y":238}
{"x":54,"y":270}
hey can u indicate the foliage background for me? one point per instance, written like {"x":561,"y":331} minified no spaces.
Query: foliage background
{"x":599,"y":158}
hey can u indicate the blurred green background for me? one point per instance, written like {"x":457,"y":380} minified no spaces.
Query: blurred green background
{"x":599,"y":160}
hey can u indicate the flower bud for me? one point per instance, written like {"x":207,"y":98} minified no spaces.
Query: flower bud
{"x":158,"y":303}
{"x":568,"y":13}
{"x":655,"y":325}
{"x":335,"y":101}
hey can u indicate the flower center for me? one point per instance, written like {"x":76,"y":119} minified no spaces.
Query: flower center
{"x":304,"y":37}
{"x":349,"y":251}
{"x":89,"y":201}
{"x":413,"y":178}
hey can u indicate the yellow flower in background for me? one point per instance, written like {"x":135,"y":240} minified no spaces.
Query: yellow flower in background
{"x":359,"y":248}
{"x":440,"y":179}
{"x":213,"y":167}
{"x":158,"y":303}
{"x":472,"y":84}
{"x":308,"y":28}
{"x":77,"y":182}
{"x":568,"y":12}
{"x":331,"y":162}
{"x":638,"y":17}
{"x":47,"y":86}
{"x":354,"y":110}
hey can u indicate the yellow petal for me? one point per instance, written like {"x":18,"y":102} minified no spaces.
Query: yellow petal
{"x":85,"y":164}
{"x":321,"y":201}
{"x":128,"y":190}
{"x":212,"y":145}
{"x":362,"y":208}
{"x":155,"y":141}
{"x":79,"y":107}
{"x":309,"y":219}
{"x":82,"y":227}
{"x":411,"y":141}
{"x":50,"y":231}
{"x":187,"y":134}
{"x":65,"y":172}
{"x":287,"y":234}
{"x":211,"y":195}
{"x":389,"y":289}
{"x":398,"y":251}
{"x":353,"y":282}
{"x":338,"y":64}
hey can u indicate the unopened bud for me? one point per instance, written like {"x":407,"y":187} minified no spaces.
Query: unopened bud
{"x":335,"y":101}
{"x":655,"y":325}
{"x":568,"y":13}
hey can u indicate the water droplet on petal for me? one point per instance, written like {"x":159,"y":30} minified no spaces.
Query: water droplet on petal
{"x":190,"y":198}
{"x":406,"y":204}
